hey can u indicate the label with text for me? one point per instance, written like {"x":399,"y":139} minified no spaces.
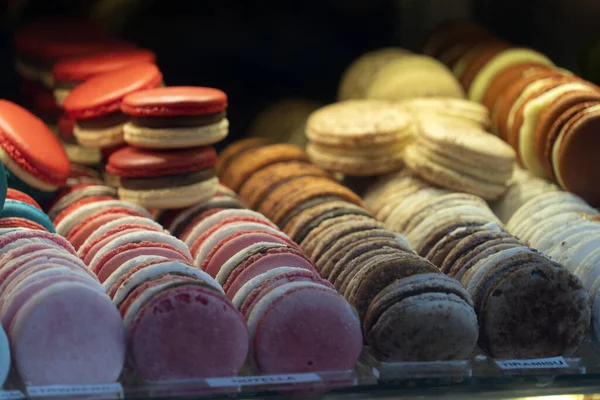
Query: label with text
{"x":538,"y":363}
{"x":75,"y":390}
{"x":263,"y":380}
{"x":11,"y":395}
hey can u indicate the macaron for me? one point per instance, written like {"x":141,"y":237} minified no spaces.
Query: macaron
{"x":17,"y":195}
{"x":85,"y":337}
{"x":175,"y":117}
{"x":17,"y":209}
{"x":165,"y":179}
{"x":201,"y":335}
{"x":95,"y":105}
{"x":234,"y":150}
{"x":77,"y":193}
{"x":73,"y":71}
{"x":349,"y":138}
{"x":328,"y":339}
{"x":34,"y":160}
{"x":249,"y":162}
{"x":427,"y":317}
{"x":256,"y":259}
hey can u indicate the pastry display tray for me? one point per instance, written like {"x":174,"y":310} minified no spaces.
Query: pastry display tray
{"x":479,"y":377}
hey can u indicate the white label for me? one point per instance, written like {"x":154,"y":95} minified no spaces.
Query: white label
{"x":538,"y":363}
{"x":263,"y":380}
{"x":11,"y":395}
{"x":68,"y":390}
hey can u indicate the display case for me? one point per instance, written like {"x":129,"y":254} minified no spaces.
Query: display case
{"x":294,"y":54}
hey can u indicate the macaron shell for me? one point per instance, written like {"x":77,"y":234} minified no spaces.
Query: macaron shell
{"x":14,"y":194}
{"x":91,"y":349}
{"x":162,"y":350}
{"x":103,"y":94}
{"x":175,"y":101}
{"x":131,"y":162}
{"x":4,"y":357}
{"x":84,"y":68}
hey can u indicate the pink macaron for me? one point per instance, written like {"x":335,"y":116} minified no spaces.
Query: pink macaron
{"x":184,"y":331}
{"x":262,"y":262}
{"x":236,"y":242}
{"x":133,"y":244}
{"x":84,"y":339}
{"x":329,"y":338}
{"x":80,"y":233}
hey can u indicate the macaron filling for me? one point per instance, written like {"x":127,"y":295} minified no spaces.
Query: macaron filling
{"x":179,"y":180}
{"x":179,"y":121}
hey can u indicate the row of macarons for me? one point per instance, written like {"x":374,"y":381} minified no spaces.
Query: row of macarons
{"x":547,"y":114}
{"x":460,"y":234}
{"x":454,"y":233}
{"x":243,"y":257}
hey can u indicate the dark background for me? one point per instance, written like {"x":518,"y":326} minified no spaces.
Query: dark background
{"x":260,"y":51}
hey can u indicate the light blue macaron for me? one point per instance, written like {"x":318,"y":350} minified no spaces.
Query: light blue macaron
{"x":15,"y":208}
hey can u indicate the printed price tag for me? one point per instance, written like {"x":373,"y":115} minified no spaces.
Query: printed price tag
{"x":538,"y":363}
{"x":11,"y":395}
{"x":263,"y":380}
{"x":68,"y":390}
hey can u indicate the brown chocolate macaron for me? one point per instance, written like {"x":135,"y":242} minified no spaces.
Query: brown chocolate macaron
{"x":335,"y":266}
{"x":426,"y":317}
{"x":308,"y":219}
{"x":531,"y":308}
{"x":377,"y":274}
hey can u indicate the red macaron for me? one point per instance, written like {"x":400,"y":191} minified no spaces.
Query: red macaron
{"x":34,"y":158}
{"x":164,"y":179}
{"x":176,"y":117}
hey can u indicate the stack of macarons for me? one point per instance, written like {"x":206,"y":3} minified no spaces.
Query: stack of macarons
{"x":40,"y":44}
{"x":71,"y":72}
{"x":46,"y":287}
{"x":461,"y":157}
{"x":33,"y":158}
{"x":360,"y":258}
{"x":168,"y":161}
{"x":476,"y":56}
{"x":546,"y":114}
{"x":396,"y":74}
{"x":462,"y":237}
{"x":359,"y":137}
